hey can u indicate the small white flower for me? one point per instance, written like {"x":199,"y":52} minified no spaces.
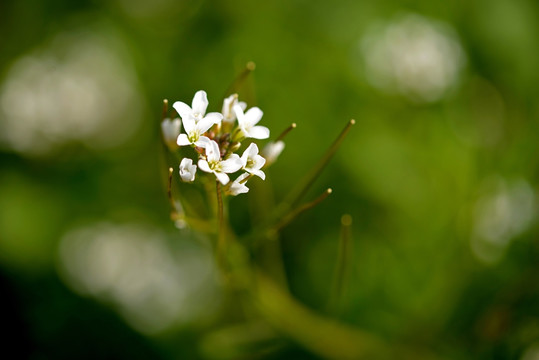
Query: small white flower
{"x":238,"y":186}
{"x":248,"y":121}
{"x":197,"y":110}
{"x":228,"y":108}
{"x":194,"y":132}
{"x":272,"y":151}
{"x":187,"y":170}
{"x":252,"y":162}
{"x":171,"y":130}
{"x":214,"y":164}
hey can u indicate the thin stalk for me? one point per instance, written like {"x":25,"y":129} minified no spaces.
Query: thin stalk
{"x":173,"y":210}
{"x":287,"y":219}
{"x":306,"y":184}
{"x":343,"y":263}
{"x":285,"y":132}
{"x":221,"y":238}
{"x":165,"y":109}
{"x":249,"y":68}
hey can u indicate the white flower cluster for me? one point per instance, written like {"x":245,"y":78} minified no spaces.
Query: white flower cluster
{"x":215,"y":136}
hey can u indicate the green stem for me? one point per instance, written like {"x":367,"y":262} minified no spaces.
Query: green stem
{"x":342,"y":265}
{"x":221,"y":238}
{"x":305,"y":185}
{"x":249,"y":68}
{"x":299,"y":210}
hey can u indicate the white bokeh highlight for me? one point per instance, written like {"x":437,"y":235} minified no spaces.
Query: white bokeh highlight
{"x":134,"y":268}
{"x":505,"y":209}
{"x":77,"y":87}
{"x":413,"y":56}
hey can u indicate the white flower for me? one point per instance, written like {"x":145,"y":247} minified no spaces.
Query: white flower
{"x":171,"y":130}
{"x":187,"y":170}
{"x":214,"y":164}
{"x":197,"y":110}
{"x":252,"y":162}
{"x":272,"y":151}
{"x":238,"y":186}
{"x":228,"y":105}
{"x":194,"y":132}
{"x":248,"y":121}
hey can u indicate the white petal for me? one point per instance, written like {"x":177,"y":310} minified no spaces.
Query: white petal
{"x":214,"y":116}
{"x":203,"y":165}
{"x":189,"y":124}
{"x":182,"y":109}
{"x":212,"y":151}
{"x":202,"y":142}
{"x":272,"y":151}
{"x":253,"y":116}
{"x":259,"y":161}
{"x":200,"y":102}
{"x":259,"y":132}
{"x":183,"y":140}
{"x":239,"y":114}
{"x":228,"y":103}
{"x":222,"y":177}
{"x":243,"y":105}
{"x":187,"y":170}
{"x":252,"y":150}
{"x":171,"y":129}
{"x":242,"y":177}
{"x":260,"y":174}
{"x":232,"y":164}
{"x":236,"y":188}
{"x":204,"y":125}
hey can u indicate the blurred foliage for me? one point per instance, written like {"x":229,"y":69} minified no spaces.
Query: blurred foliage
{"x":442,"y":187}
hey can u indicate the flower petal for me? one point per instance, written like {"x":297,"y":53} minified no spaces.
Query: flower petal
{"x":214,"y":116}
{"x":200,"y":102}
{"x":252,"y":150}
{"x":260,"y":174}
{"x":258,"y":161}
{"x":189,"y":124}
{"x":239,"y":114}
{"x":204,"y":125}
{"x":204,"y":166}
{"x":242,"y":177}
{"x":237,"y":188}
{"x":212,"y":151}
{"x":171,"y":129}
{"x":232,"y":164}
{"x":202,"y":142}
{"x":183,"y":140}
{"x":182,"y":109}
{"x":259,"y":132}
{"x":187,"y":170}
{"x":222,"y":177}
{"x":253,"y":116}
{"x":272,"y":151}
{"x":228,"y":103}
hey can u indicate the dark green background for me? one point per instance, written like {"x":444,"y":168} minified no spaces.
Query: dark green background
{"x":416,"y":176}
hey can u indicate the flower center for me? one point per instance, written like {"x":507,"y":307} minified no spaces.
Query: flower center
{"x":193,"y":136}
{"x":250,"y":163}
{"x":215,"y":165}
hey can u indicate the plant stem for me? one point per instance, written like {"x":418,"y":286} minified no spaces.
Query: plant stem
{"x":342,"y":265}
{"x":249,"y":68}
{"x":306,"y":184}
{"x":286,"y":131}
{"x":221,"y":239}
{"x":299,"y":210}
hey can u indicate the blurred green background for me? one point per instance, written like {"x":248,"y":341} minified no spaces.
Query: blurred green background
{"x":440,"y":173}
